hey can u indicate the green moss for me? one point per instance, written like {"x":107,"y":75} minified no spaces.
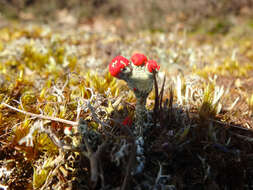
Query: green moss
{"x":41,"y":174}
{"x":227,"y":68}
{"x":34,"y":60}
{"x":210,"y":106}
{"x":44,"y":144}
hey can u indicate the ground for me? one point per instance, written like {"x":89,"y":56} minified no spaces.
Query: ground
{"x":198,"y":137}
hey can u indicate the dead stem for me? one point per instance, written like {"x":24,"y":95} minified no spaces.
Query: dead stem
{"x":94,"y":158}
{"x":156,"y":107}
{"x":230,"y":125}
{"x":73,"y":123}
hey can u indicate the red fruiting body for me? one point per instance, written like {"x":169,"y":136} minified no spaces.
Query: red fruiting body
{"x":117,"y":63}
{"x":152,"y":66}
{"x":127,"y":121}
{"x":67,"y":130}
{"x":139,"y":59}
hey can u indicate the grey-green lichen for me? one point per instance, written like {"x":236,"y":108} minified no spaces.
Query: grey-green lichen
{"x":138,"y":74}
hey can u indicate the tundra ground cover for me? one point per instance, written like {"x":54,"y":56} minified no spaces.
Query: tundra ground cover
{"x":199,"y":121}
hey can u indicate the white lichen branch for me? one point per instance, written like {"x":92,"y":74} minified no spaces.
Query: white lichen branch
{"x":38,"y":125}
{"x":233,"y":104}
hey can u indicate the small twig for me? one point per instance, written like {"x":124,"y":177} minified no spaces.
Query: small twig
{"x":51,"y":135}
{"x":78,"y":110}
{"x":48,"y":177}
{"x":178,"y":90}
{"x":160,"y":174}
{"x":101,"y":175}
{"x":95,"y":117}
{"x":171,"y":98}
{"x":88,"y":147}
{"x":58,"y":142}
{"x":161,"y":111}
{"x":162,"y":91}
{"x":95,"y":164}
{"x":171,"y":113}
{"x":230,"y":125}
{"x":232,"y":105}
{"x":73,"y":123}
{"x":97,"y":161}
{"x":156,"y":99}
{"x":249,"y":139}
{"x":94,"y":161}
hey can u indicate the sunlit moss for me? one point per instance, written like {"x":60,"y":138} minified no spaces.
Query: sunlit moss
{"x":28,"y":99}
{"x":72,"y":62}
{"x":98,"y":83}
{"x":49,"y":110}
{"x":5,"y":34}
{"x":7,"y":66}
{"x":58,"y":54}
{"x":228,"y":67}
{"x":245,"y":48}
{"x":34,"y":32}
{"x":41,"y":174}
{"x":20,"y":131}
{"x":39,"y":177}
{"x":1,"y":46}
{"x":82,"y":91}
{"x":1,"y":117}
{"x":210,"y":106}
{"x":15,"y":32}
{"x":42,"y":94}
{"x":44,"y":143}
{"x":34,"y":59}
{"x":234,"y":67}
{"x":250,"y":103}
{"x":63,"y":110}
{"x":94,"y":125}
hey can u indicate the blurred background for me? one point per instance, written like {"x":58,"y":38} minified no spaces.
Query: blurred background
{"x":214,"y":15}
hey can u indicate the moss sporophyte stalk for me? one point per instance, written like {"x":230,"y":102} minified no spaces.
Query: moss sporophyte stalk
{"x":138,"y":74}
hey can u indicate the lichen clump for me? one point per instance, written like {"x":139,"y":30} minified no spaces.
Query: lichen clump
{"x":139,"y":74}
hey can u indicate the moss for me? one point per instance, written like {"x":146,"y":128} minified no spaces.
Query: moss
{"x":210,"y":105}
{"x":44,"y":144}
{"x":33,"y":59}
{"x":250,"y":103}
{"x":227,"y":68}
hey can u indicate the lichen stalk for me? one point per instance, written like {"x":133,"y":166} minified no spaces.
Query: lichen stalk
{"x":140,"y":114}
